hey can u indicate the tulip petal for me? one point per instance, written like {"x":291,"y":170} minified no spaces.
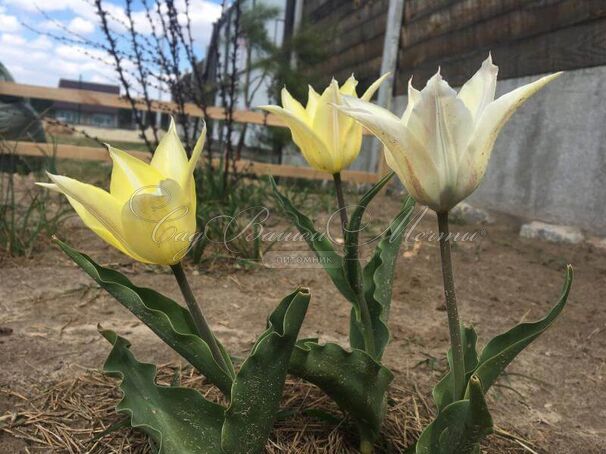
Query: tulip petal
{"x":187,"y":180}
{"x":170,"y":158}
{"x":479,"y":91}
{"x":158,"y":223}
{"x":86,"y":217}
{"x":403,"y":152}
{"x":313,"y":149}
{"x":351,"y":141}
{"x":349,"y":87}
{"x":370,"y":91}
{"x":442,"y":122}
{"x":91,"y":222}
{"x":313,"y":97}
{"x":130,"y":174}
{"x":98,"y":209}
{"x":293,"y":106}
{"x":328,"y":123}
{"x":187,"y":177}
{"x":492,"y":120}
{"x":414,"y":96}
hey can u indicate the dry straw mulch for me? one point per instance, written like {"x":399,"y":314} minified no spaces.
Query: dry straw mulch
{"x":78,"y":416}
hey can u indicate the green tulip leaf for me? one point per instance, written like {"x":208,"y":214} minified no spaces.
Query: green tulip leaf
{"x":169,"y":320}
{"x":319,"y":243}
{"x":354,"y":380}
{"x":378,"y":275}
{"x":460,"y":427}
{"x":257,"y":389}
{"x":179,"y":420}
{"x":501,"y":350}
{"x":443,"y":391}
{"x":353,"y":271}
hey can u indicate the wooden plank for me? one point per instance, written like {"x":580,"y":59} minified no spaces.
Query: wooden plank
{"x":356,"y":33}
{"x":582,"y":45}
{"x":64,"y":151}
{"x":328,"y":9}
{"x":362,"y":52}
{"x":522,"y":27}
{"x":280,"y":170}
{"x":418,"y":9}
{"x":109,"y":100}
{"x":456,"y":16}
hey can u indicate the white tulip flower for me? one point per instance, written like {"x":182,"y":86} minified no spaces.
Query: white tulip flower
{"x":441,"y":146}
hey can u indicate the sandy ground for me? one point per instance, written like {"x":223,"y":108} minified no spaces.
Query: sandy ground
{"x":553,"y":392}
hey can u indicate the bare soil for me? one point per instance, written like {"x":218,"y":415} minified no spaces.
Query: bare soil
{"x":552,"y":395}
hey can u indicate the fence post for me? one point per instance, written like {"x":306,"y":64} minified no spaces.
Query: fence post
{"x":391,"y":46}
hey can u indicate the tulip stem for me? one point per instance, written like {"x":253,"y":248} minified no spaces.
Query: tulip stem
{"x":340,"y":201}
{"x":204,"y":330}
{"x":454,"y":326}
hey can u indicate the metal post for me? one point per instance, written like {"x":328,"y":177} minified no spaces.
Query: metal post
{"x":391,"y":46}
{"x":298,"y":16}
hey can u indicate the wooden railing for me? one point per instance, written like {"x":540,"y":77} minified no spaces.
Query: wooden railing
{"x":76,"y":96}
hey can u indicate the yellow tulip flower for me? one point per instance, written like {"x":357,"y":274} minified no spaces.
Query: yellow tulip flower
{"x":329,"y":140}
{"x":149,"y":212}
{"x":441,"y":146}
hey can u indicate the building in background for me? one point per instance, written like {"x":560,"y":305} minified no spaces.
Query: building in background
{"x":271,"y":23}
{"x":87,"y":114}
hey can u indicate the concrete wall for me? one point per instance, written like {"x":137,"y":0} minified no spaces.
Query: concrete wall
{"x":549,"y":162}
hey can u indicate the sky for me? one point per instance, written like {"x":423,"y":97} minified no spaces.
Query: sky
{"x":33,"y":58}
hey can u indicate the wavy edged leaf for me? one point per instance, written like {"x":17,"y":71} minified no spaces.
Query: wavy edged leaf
{"x":354,"y":380}
{"x":378,"y":275}
{"x":460,"y":427}
{"x":319,"y":243}
{"x":170,"y":321}
{"x":501,"y":350}
{"x":352,"y":233}
{"x":257,"y":389}
{"x":179,"y":420}
{"x":353,"y":270}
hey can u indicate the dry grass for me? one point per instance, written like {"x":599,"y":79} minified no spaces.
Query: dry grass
{"x":78,"y":416}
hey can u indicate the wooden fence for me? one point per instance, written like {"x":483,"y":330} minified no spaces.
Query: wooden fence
{"x":76,"y":96}
{"x":526,"y":37}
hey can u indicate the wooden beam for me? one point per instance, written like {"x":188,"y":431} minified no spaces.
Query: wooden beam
{"x":308,"y":173}
{"x":78,"y":96}
{"x":64,"y":151}
{"x":96,"y":98}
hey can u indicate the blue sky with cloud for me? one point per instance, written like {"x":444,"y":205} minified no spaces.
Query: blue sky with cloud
{"x":37,"y":59}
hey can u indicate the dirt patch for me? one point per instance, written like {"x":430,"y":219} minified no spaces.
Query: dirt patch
{"x":550,"y":396}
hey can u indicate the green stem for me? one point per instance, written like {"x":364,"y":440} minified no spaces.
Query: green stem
{"x":341,"y":201}
{"x":355,"y":275}
{"x":454,"y":326}
{"x":195,"y":310}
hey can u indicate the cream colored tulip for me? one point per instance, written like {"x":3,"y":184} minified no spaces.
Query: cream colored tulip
{"x":149,"y":212}
{"x":441,"y":146}
{"x":329,"y":140}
